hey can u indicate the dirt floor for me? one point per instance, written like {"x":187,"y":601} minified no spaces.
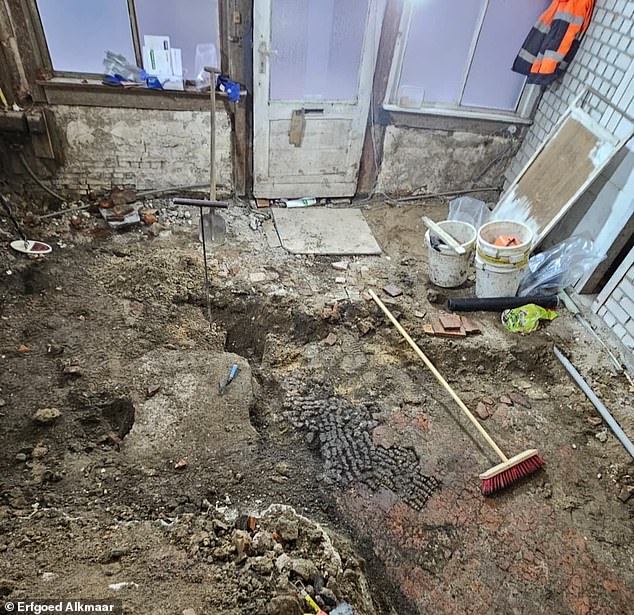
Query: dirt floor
{"x":124,"y":473}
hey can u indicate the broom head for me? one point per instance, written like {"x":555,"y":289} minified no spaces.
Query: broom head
{"x":508,"y":472}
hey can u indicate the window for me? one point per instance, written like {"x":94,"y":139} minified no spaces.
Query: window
{"x":79,"y":32}
{"x":454,"y":57}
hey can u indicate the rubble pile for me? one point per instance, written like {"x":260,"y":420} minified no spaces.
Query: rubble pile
{"x":343,"y":432}
{"x":265,"y":564}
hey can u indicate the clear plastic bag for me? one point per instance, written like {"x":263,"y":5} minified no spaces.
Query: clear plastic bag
{"x":206,"y":55}
{"x":117,"y":64}
{"x":468,"y":209}
{"x":559,"y":267}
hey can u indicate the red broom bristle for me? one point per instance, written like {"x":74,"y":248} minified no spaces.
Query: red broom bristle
{"x":511,"y":475}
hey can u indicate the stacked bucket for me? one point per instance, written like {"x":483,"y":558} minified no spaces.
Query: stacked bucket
{"x":499,"y":268}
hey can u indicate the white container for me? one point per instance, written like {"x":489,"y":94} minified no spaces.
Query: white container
{"x":446,"y":268}
{"x":497,"y":280}
{"x":500,"y":256}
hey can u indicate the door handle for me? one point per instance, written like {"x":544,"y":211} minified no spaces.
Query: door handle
{"x":265,"y":54}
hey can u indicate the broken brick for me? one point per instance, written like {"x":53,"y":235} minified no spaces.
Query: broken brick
{"x":330,"y":339}
{"x":392,"y":290}
{"x":482,"y":411}
{"x":450,"y":321}
{"x":519,"y":399}
{"x":505,"y":399}
{"x":470,"y":326}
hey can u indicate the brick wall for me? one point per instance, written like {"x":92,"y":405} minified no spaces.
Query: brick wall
{"x":105,"y":147}
{"x":604,"y":62}
{"x":617,"y":307}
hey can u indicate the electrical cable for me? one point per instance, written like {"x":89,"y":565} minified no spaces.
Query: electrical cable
{"x":37,"y":180}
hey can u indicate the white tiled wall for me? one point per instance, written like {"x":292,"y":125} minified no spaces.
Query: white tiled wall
{"x":604,"y":62}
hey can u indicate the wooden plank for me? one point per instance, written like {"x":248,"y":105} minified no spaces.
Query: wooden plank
{"x":372,"y":151}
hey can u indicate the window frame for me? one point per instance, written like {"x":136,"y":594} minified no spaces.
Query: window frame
{"x":70,"y":77}
{"x":526,"y":105}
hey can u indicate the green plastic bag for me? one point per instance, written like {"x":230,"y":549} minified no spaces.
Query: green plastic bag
{"x":526,"y":318}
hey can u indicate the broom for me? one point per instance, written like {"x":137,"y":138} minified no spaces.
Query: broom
{"x":503,"y":474}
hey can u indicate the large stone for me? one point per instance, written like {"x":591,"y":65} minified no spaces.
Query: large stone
{"x":284,"y":605}
{"x":303,"y":568}
{"x":45,"y":416}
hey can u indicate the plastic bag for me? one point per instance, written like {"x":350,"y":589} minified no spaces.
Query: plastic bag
{"x":560,"y":266}
{"x":117,"y":64}
{"x":526,"y":318}
{"x":206,"y":55}
{"x":468,"y":209}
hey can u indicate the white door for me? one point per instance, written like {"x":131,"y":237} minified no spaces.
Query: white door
{"x":313,"y":63}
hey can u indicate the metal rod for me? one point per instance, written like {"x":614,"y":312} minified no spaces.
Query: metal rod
{"x":61,"y":212}
{"x":598,"y":404}
{"x":202,"y":234}
{"x":201,"y":203}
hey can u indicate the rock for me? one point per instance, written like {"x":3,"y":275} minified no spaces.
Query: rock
{"x":330,"y":339}
{"x":626,"y":493}
{"x":365,"y":327}
{"x":482,"y":411}
{"x":340,"y":280}
{"x":328,"y":596}
{"x":283,"y":562}
{"x":110,"y":570}
{"x":420,"y":314}
{"x":595,"y":421}
{"x":519,"y":399}
{"x":392,"y":290}
{"x":39,"y":452}
{"x":262,"y":565}
{"x":283,"y":468}
{"x":46,"y":415}
{"x":152,"y":390}
{"x":505,"y":399}
{"x":6,"y":587}
{"x":257,"y":276}
{"x":287,"y":527}
{"x":284,"y":605}
{"x":303,"y":568}
{"x":502,"y":410}
{"x":489,"y":401}
{"x":21,"y":457}
{"x":23,"y":348}
{"x":2,"y":403}
{"x":262,"y":542}
{"x":72,"y":370}
{"x":340,"y":266}
{"x":181,"y":464}
{"x":188,"y":612}
{"x":602,"y":436}
{"x":241,"y":541}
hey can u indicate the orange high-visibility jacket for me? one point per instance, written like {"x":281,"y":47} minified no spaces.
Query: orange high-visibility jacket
{"x":553,"y":40}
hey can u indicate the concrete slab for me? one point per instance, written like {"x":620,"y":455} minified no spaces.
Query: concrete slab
{"x":324,"y":231}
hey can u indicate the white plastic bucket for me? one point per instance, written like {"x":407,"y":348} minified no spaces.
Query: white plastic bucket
{"x":497,"y":280}
{"x":446,"y":268}
{"x":498,"y":255}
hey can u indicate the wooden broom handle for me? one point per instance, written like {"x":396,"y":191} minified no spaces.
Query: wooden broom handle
{"x":439,"y":377}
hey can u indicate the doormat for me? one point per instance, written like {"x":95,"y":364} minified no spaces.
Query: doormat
{"x":324,"y":231}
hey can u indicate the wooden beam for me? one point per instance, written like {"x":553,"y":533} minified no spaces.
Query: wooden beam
{"x":372,"y":152}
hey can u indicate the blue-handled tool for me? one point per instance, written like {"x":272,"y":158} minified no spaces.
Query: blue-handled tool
{"x":233,"y":372}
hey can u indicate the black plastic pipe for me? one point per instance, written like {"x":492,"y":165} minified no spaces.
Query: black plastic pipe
{"x":497,"y":304}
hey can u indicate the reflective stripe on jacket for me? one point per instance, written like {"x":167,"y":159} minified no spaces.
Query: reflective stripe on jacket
{"x":553,"y":40}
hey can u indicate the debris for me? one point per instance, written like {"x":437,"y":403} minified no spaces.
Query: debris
{"x":392,"y":290}
{"x":149,"y":218}
{"x":450,"y":321}
{"x":366,"y":296}
{"x":262,"y":203}
{"x":241,"y":541}
{"x":233,"y":372}
{"x":440,"y":331}
{"x":428,"y":329}
{"x":602,"y":436}
{"x":72,"y":370}
{"x":505,"y":399}
{"x":595,"y":421}
{"x":188,"y":612}
{"x":46,"y":415}
{"x":526,"y":319}
{"x":287,"y":527}
{"x":257,"y":276}
{"x":24,"y":348}
{"x":626,"y":493}
{"x":519,"y":399}
{"x":482,"y":411}
{"x":506,"y":241}
{"x":331,"y":313}
{"x":433,"y":296}
{"x":303,"y":568}
{"x":286,"y":604}
{"x":118,"y":586}
{"x":152,"y":390}
{"x":470,"y":326}
{"x":20,"y":457}
{"x":340,"y":280}
{"x":181,"y":464}
{"x":330,"y":339}
{"x":122,"y":196}
{"x":340,"y":266}
{"x":420,"y":314}
{"x":365,"y":327}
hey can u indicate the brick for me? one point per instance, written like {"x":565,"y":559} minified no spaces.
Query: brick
{"x":629,"y":326}
{"x":613,"y":306}
{"x":608,"y":318}
{"x":628,"y":341}
{"x":619,"y":331}
{"x":627,"y":304}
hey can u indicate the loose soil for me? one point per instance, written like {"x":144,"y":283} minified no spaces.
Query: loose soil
{"x":148,"y":473}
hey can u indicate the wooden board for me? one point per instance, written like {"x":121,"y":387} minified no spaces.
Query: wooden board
{"x":574,"y":154}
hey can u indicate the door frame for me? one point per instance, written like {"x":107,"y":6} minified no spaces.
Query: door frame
{"x":262,"y":114}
